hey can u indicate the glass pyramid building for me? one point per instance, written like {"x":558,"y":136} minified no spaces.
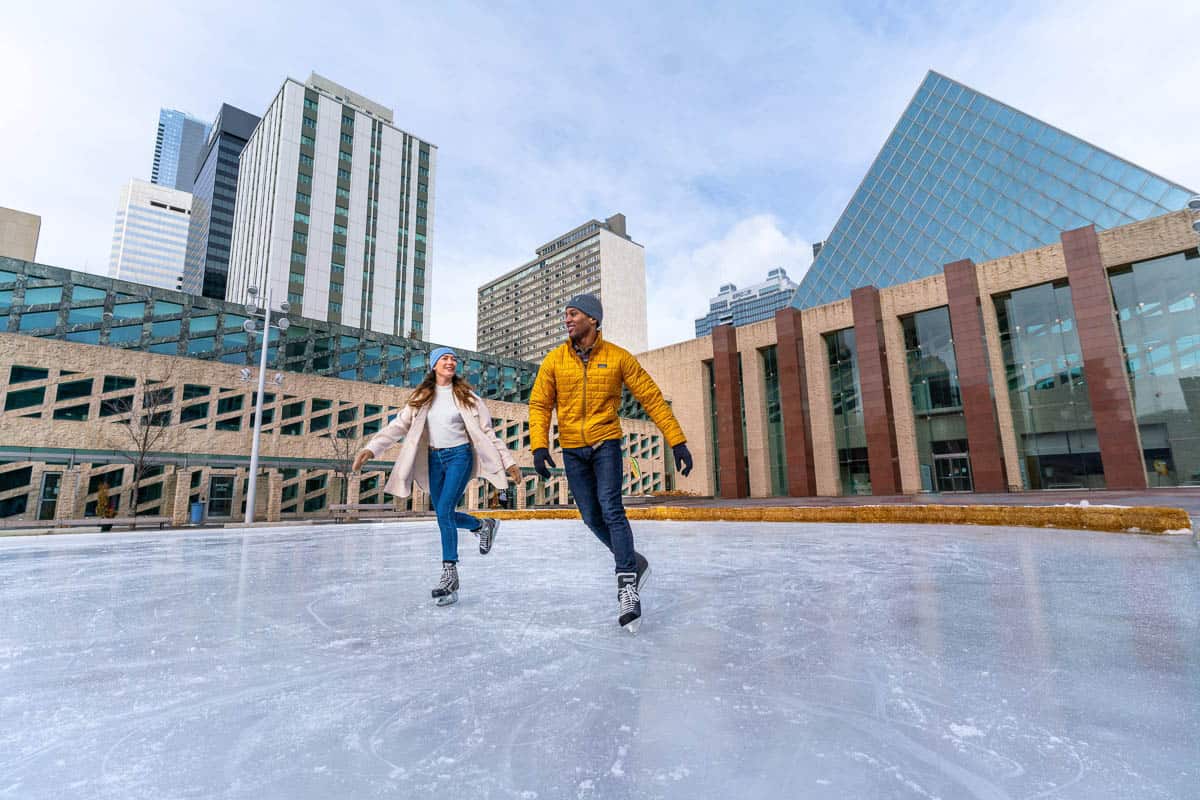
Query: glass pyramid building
{"x":965,"y":176}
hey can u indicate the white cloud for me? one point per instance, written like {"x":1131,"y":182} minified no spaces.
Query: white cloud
{"x":679,"y":292}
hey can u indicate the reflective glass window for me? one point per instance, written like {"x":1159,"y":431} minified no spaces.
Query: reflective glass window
{"x":1159,"y":320}
{"x":849,"y":430}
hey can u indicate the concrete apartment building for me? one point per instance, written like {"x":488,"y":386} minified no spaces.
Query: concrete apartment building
{"x":150,"y":235}
{"x":19,"y":233}
{"x":520,"y":313}
{"x":335,"y":208}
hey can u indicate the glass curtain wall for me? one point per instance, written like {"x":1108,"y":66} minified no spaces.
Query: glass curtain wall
{"x":1160,"y":329}
{"x":849,"y":429}
{"x":776,"y":449}
{"x":1052,"y":414}
{"x":941,"y":428}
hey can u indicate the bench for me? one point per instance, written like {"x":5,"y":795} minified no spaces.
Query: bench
{"x":344,"y":511}
{"x":87,"y":522}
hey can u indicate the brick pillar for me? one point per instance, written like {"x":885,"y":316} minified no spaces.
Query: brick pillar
{"x":974,"y":378}
{"x":273,"y":486}
{"x":876,"y":391}
{"x":731,"y":447}
{"x":181,"y":510}
{"x":564,"y":494}
{"x":1103,"y":361}
{"x":793,"y":404}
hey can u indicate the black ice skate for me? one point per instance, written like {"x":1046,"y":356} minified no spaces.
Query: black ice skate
{"x":643,"y":571}
{"x":446,"y":591}
{"x":487,"y":535}
{"x":631,"y":604}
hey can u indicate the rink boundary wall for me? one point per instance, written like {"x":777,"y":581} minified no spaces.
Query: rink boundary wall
{"x":1113,"y":519}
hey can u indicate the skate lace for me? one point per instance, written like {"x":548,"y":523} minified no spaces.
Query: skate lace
{"x":628,"y":597}
{"x":485,"y":533}
{"x":449,"y":576}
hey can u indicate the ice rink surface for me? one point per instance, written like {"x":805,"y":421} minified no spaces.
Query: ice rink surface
{"x":776,"y":661}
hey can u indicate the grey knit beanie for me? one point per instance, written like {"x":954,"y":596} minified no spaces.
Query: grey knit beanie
{"x":588,"y":304}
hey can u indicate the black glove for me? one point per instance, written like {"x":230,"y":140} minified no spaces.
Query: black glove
{"x":683,"y":458}
{"x":542,"y":462}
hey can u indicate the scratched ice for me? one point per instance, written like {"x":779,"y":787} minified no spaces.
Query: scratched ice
{"x":776,"y":661}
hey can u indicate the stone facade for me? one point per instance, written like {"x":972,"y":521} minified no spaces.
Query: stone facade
{"x":680,"y":368}
{"x":70,"y":408}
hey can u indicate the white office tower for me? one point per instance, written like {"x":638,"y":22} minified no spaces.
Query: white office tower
{"x":335,"y":208}
{"x":150,"y":236}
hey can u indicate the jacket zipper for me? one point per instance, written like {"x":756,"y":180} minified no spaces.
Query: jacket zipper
{"x":583,"y":416}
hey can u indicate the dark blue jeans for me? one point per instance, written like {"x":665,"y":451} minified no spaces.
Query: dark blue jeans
{"x":594,"y":475}
{"x":449,"y":472}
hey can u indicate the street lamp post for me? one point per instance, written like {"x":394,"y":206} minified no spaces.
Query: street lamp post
{"x":251,"y":326}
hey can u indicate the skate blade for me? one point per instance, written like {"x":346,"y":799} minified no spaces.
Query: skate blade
{"x":448,"y":599}
{"x":633,"y":626}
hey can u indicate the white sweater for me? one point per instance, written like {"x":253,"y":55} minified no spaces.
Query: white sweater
{"x":445,"y":422}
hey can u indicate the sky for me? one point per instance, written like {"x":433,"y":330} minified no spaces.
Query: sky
{"x":731,"y":135}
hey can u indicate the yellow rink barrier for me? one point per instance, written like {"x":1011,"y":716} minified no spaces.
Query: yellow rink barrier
{"x":1120,"y":519}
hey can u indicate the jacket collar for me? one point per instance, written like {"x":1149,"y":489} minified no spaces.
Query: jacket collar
{"x":596,"y":345}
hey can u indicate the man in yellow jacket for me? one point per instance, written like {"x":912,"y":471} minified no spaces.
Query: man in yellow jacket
{"x":582,"y":380}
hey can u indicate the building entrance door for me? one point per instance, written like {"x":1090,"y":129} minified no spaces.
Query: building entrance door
{"x":220,"y":496}
{"x":48,"y":502}
{"x":952,"y":472}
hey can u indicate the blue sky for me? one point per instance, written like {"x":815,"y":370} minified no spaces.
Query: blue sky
{"x":730,"y":135}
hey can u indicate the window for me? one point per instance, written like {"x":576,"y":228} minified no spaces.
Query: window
{"x":296,"y":277}
{"x":422,"y":206}
{"x":343,"y":174}
{"x":334,"y":286}
{"x":423,"y":187}
{"x":339,"y":229}
{"x":228,"y":405}
{"x":309,"y":122}
{"x":40,"y":319}
{"x":115,"y":383}
{"x":20,"y":374}
{"x":300,"y":238}
{"x":336,"y":269}
{"x":44,"y":295}
{"x":347,"y":138}
{"x":301,"y":217}
{"x":343,"y":193}
{"x":191,"y":391}
{"x":74,"y":413}
{"x":421,"y":220}
{"x":320,"y":423}
{"x":339,"y":249}
{"x":295,"y":298}
{"x":297,"y":258}
{"x":306,"y":161}
{"x":348,"y":120}
{"x":302,"y":197}
{"x":193,"y":412}
{"x":336,"y":308}
{"x":25,"y":398}
{"x":310,"y":104}
{"x":344,"y":156}
{"x":307,"y":141}
{"x":74,"y":390}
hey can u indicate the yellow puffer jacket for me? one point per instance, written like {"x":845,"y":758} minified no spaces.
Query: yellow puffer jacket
{"x":588,"y":399}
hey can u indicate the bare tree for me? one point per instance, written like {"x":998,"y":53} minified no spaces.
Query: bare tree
{"x":342,"y":450}
{"x":142,"y":426}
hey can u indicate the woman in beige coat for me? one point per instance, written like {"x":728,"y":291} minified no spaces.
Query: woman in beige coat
{"x":453,"y":443}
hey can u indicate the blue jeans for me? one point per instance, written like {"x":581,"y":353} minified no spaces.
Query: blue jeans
{"x":449,"y":472}
{"x":594,"y":475}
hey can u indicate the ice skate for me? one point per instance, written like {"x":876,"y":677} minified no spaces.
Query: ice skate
{"x":487,"y":535}
{"x":631,"y":604}
{"x":643,"y":571}
{"x":446,"y":592}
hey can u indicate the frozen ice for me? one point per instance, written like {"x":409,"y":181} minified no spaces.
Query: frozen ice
{"x":776,"y":660}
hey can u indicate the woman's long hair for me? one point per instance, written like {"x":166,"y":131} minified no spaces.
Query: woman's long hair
{"x":423,"y":396}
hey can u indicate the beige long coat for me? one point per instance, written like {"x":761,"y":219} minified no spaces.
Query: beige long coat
{"x":412,"y":461}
